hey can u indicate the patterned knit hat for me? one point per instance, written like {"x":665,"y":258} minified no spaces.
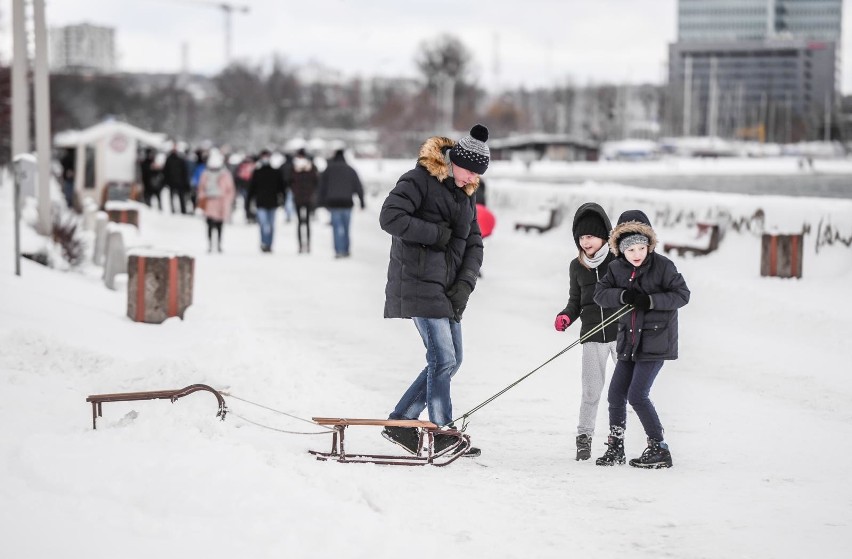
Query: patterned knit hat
{"x":470,"y":152}
{"x":631,"y":240}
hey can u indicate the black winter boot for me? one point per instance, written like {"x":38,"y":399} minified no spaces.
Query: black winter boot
{"x":656,"y":456}
{"x":406,"y":437}
{"x":615,"y":448}
{"x":584,"y":447}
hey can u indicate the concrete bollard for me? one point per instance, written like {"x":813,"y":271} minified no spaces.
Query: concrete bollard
{"x":101,"y":220}
{"x":116,"y":257}
{"x":781,"y":256}
{"x":159,"y":285}
{"x":123,"y":212}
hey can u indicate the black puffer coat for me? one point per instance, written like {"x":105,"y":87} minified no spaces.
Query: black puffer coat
{"x":266,"y":187}
{"x":419,"y":275}
{"x":650,"y":335}
{"x":338,"y":183}
{"x":581,"y":293}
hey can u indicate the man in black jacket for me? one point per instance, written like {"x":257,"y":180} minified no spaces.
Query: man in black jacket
{"x":338,"y":183}
{"x":436,"y":253}
{"x":267,"y":189}
{"x":176,"y":178}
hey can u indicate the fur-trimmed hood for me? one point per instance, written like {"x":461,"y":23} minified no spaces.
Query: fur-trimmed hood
{"x":631,"y":222}
{"x":433,"y":158}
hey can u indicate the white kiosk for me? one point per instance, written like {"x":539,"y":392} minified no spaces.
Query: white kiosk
{"x":115,"y":145}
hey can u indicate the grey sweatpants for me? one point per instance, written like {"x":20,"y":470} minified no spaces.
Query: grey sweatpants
{"x":594,"y":377}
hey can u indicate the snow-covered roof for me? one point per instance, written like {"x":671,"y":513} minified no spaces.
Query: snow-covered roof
{"x":73,"y":138}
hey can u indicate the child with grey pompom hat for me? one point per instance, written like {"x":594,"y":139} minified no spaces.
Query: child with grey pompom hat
{"x":647,"y":336}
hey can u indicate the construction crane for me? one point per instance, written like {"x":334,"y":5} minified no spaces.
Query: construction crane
{"x":228,"y":9}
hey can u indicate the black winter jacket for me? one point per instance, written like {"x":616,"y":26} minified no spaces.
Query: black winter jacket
{"x":581,"y":292}
{"x":418,"y":274}
{"x":650,"y":335}
{"x":304,"y":178}
{"x":581,"y":301}
{"x":338,"y":183}
{"x":175,"y":172}
{"x":266,"y":187}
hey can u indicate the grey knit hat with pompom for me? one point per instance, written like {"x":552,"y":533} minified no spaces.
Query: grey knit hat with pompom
{"x":471,"y":152}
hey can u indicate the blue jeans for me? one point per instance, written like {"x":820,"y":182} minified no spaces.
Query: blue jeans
{"x":340,"y":218}
{"x":431,"y":389}
{"x":631,"y":382}
{"x":266,"y":219}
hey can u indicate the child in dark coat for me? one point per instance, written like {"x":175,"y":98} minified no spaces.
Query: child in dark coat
{"x":647,"y":336}
{"x":591,"y":232}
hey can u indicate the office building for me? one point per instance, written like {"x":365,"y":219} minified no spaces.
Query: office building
{"x":82,"y":48}
{"x":760,"y":69}
{"x":758,"y":20}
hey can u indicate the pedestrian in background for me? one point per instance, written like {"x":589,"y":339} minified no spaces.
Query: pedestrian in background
{"x":338,"y":184}
{"x":303,"y":181}
{"x":266,"y":189}
{"x":216,"y":194}
{"x":176,"y":178}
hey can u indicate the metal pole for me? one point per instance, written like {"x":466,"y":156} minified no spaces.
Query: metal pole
{"x":17,"y":187}
{"x":20,"y":96}
{"x":713,"y":111}
{"x":687,"y":97}
{"x":228,"y":10}
{"x":42,"y":117}
{"x":827,"y":119}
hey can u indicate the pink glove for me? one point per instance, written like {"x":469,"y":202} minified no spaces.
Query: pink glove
{"x":562,"y":322}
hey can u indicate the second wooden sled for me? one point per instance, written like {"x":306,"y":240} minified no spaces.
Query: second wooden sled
{"x":425,"y":454}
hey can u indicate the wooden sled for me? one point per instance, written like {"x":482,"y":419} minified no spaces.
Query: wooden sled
{"x":97,"y":400}
{"x":425,"y":454}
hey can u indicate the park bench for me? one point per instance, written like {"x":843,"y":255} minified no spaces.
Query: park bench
{"x":705,"y":241}
{"x":555,"y":218}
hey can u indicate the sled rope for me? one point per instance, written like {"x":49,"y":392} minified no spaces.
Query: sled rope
{"x":328,"y":430}
{"x":613,"y":318}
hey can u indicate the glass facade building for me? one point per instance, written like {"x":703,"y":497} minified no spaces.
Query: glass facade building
{"x":766,"y":69}
{"x":758,"y":20}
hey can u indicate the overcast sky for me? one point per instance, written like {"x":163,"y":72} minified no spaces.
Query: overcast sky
{"x":529,"y":42}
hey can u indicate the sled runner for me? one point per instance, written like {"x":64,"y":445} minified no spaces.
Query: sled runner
{"x":426,"y":443}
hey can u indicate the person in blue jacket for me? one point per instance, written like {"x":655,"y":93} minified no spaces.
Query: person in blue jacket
{"x":647,"y":336}
{"x":435,"y":256}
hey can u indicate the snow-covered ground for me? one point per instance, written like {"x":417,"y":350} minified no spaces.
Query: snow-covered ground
{"x":758,"y":409}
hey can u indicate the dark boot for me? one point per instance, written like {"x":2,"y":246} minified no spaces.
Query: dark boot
{"x":584,"y":447}
{"x":615,"y":448}
{"x":406,"y":437}
{"x":656,"y":456}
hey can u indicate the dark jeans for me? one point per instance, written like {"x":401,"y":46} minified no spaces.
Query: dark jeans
{"x":303,"y":213}
{"x":214,"y":225}
{"x":181,"y":196}
{"x":631,"y":382}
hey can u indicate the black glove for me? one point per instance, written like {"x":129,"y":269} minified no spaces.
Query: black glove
{"x":444,"y":236}
{"x":458,"y":294}
{"x":628,"y":296}
{"x":642,"y":302}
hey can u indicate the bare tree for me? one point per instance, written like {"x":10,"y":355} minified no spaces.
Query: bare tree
{"x":443,"y":62}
